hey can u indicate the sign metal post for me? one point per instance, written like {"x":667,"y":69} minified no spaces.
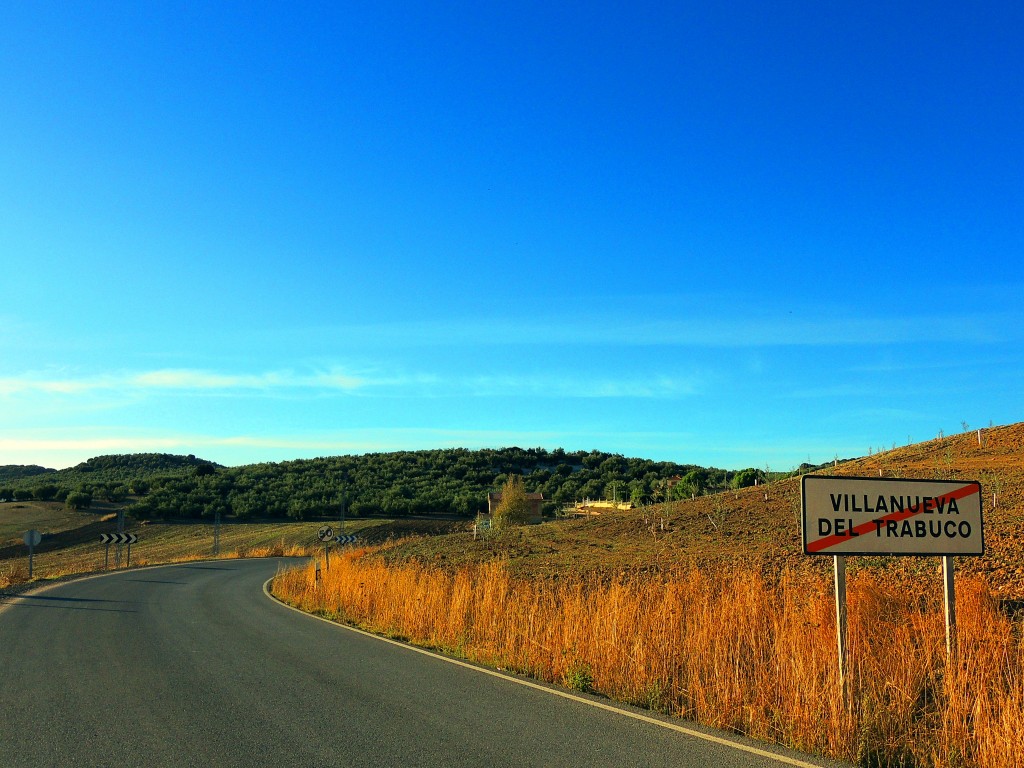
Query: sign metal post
{"x":31,"y":539}
{"x":325,"y":534}
{"x":118,"y":539}
{"x":841,"y":629}
{"x":949,"y":603}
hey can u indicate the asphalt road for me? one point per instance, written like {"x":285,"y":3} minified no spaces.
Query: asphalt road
{"x":192,"y":665}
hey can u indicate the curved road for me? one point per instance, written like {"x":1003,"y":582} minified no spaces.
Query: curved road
{"x":192,"y":665}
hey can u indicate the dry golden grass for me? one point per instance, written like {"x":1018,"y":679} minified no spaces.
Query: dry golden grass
{"x":735,"y":652}
{"x":77,"y":550}
{"x":280,"y":549}
{"x":13,"y":573}
{"x":161,"y":543}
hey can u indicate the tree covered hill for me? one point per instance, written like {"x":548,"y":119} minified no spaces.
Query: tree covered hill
{"x":104,"y":470}
{"x":11,"y":472}
{"x":444,"y":481}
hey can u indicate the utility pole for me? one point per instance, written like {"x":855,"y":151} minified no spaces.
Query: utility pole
{"x":342,"y":501}
{"x":120,"y":529}
{"x":341,"y":513}
{"x":216,"y":533}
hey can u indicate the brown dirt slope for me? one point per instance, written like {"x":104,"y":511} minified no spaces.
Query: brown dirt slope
{"x":762,"y":525}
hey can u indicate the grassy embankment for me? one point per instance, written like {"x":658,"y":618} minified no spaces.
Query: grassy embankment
{"x":734,"y":652}
{"x":707,"y":610}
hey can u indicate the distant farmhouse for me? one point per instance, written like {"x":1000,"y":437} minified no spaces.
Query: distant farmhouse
{"x":589,"y":508}
{"x":673,"y":481}
{"x":536,"y":502}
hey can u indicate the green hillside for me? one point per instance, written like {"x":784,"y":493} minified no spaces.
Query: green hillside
{"x":432,"y":482}
{"x":12,"y":472}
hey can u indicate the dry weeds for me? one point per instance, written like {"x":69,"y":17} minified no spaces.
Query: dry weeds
{"x":735,"y":652}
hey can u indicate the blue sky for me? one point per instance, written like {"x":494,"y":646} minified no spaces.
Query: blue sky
{"x":744,"y":235}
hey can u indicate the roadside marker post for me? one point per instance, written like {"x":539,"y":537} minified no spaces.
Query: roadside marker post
{"x":118,"y":539}
{"x":843,"y":516}
{"x":325,"y":534}
{"x":31,"y":539}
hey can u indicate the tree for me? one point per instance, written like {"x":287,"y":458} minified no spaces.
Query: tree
{"x":78,"y":500}
{"x":117,"y":493}
{"x":637,"y":492}
{"x":465,"y":504}
{"x":45,"y":492}
{"x":693,"y":482}
{"x":747,"y":477}
{"x":514,"y":507}
{"x":363,"y":508}
{"x":140,"y":509}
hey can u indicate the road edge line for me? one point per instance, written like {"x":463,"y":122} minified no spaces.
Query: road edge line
{"x":6,"y":601}
{"x":554,"y":691}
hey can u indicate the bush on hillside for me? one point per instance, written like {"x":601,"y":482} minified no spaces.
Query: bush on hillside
{"x":78,"y":500}
{"x":514,"y":508}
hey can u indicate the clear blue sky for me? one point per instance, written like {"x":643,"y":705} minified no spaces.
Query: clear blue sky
{"x":734,"y":234}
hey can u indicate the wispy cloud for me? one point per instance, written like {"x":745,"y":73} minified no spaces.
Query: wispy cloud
{"x":336,"y":380}
{"x":584,"y":385}
{"x":29,"y":383}
{"x":728,"y":325}
{"x":178,"y":380}
{"x":207,"y":380}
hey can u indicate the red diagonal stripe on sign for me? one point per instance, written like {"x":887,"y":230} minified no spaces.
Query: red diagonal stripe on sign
{"x":819,"y":545}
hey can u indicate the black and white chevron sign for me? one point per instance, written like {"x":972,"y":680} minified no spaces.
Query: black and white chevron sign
{"x":346,"y":539}
{"x":118,"y":538}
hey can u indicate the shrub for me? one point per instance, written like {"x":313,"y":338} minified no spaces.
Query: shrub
{"x":514,"y":508}
{"x":45,"y":492}
{"x":78,"y":500}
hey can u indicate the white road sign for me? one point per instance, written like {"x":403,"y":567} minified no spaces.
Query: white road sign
{"x":882,"y":516}
{"x":326,"y":533}
{"x":118,"y":538}
{"x":32,"y":538}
